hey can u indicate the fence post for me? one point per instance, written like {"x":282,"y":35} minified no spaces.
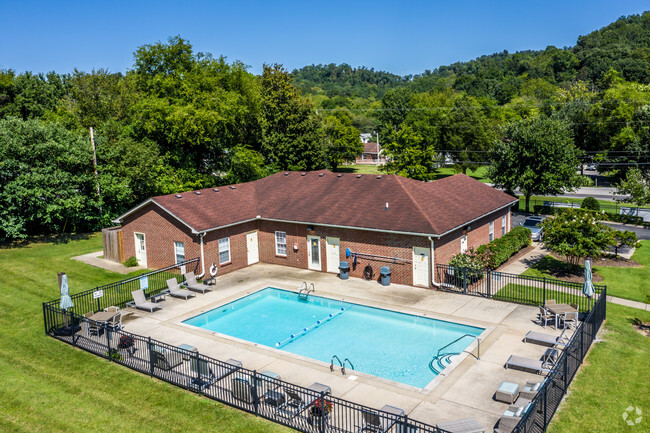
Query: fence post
{"x":150,"y":357}
{"x":107,"y":331}
{"x":489,"y":283}
{"x":323,"y":412}
{"x":255,"y":392}
{"x":464,"y":281}
{"x":546,"y":405}
{"x":44,"y":318}
{"x":566,"y":371}
{"x":544,"y":291}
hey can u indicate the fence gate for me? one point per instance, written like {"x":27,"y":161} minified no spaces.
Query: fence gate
{"x":112,"y":244}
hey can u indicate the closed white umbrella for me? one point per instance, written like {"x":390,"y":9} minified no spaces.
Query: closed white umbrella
{"x":66,"y":300}
{"x":588,"y":286}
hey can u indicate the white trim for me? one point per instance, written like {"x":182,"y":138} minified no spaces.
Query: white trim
{"x":491,"y":231}
{"x":475,"y":219}
{"x":137,"y":246}
{"x":219,"y":250}
{"x":202,"y":257}
{"x":310,"y":256}
{"x":286,"y":244}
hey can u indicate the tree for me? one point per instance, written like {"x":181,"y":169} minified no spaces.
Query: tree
{"x":290,"y":127}
{"x":246,"y":165}
{"x":576,"y":234}
{"x":341,"y":139}
{"x":537,"y":156}
{"x":625,"y":238}
{"x":635,"y":187}
{"x":409,"y":155}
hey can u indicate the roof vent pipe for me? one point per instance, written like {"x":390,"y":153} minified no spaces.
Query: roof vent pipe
{"x":359,"y":176}
{"x":179,"y":196}
{"x":215,"y":189}
{"x":386,"y":205}
{"x":233,"y":187}
{"x":197,"y":192}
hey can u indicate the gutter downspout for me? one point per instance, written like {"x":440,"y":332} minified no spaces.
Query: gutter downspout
{"x":433,"y":264}
{"x":202,"y":257}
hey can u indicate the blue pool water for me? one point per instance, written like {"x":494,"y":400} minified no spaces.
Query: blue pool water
{"x":383,"y":343}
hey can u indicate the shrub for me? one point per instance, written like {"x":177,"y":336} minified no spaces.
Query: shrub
{"x":471,"y":259}
{"x":590,"y":203}
{"x":501,"y":249}
{"x":130,"y":262}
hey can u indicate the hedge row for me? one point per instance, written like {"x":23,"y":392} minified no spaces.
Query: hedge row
{"x":503,"y":248}
{"x":604,"y":216}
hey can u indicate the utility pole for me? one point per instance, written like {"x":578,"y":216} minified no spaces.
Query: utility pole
{"x":99,"y":194}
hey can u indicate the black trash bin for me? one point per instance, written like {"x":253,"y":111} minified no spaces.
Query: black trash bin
{"x":384,"y":274}
{"x":344,"y":268}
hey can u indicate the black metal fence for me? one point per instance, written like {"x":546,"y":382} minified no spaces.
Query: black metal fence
{"x":119,"y":293}
{"x":302,"y":408}
{"x":227,"y":382}
{"x":518,"y":289}
{"x":543,"y":407}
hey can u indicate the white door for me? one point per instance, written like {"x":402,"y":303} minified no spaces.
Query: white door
{"x":333,"y":257}
{"x":421,"y":266}
{"x":463,"y":243}
{"x":313,"y":253}
{"x":252,"y":248}
{"x":140,"y":249}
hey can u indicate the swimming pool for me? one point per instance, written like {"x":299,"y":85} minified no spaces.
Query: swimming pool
{"x":382,"y":343}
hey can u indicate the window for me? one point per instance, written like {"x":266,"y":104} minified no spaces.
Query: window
{"x":491,"y":231}
{"x":503,"y":225}
{"x":224,"y":250}
{"x":463,"y":244}
{"x":179,"y":252}
{"x":281,"y":243}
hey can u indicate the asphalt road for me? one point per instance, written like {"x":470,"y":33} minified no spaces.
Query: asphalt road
{"x":641,"y":233}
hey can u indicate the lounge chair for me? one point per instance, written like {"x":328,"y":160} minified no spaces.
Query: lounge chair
{"x":298,"y":401}
{"x":462,"y":426}
{"x":165,"y":360}
{"x":546,"y":339}
{"x":205,"y":376}
{"x":243,"y":390}
{"x":376,"y":423}
{"x":142,"y":303}
{"x":530,"y":389}
{"x":192,"y":284}
{"x":533,"y":365}
{"x":176,"y":291}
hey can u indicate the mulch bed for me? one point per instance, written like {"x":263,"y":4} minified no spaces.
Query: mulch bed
{"x":643,"y":328}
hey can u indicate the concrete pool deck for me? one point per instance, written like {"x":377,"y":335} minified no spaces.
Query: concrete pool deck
{"x":467,"y":391}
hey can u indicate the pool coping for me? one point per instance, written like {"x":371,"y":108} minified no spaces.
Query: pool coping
{"x":279,"y":353}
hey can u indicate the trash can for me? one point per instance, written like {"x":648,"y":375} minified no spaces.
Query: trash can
{"x":384,"y":274}
{"x":344,"y":268}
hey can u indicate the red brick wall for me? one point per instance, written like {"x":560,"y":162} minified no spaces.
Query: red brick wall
{"x":161,"y":230}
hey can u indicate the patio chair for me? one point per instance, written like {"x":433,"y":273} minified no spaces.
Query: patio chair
{"x":90,"y":326}
{"x":141,"y":302}
{"x":242,"y":389}
{"x":112,"y":308}
{"x":549,"y":301}
{"x":546,"y":339}
{"x":205,"y":376}
{"x":298,"y":401}
{"x":165,"y":360}
{"x":376,"y":423}
{"x":176,"y":291}
{"x":192,"y":284}
{"x":545,"y":316}
{"x":529,"y":364}
{"x":530,"y":389}
{"x":569,"y":319}
{"x":511,"y":417}
{"x":115,"y":323}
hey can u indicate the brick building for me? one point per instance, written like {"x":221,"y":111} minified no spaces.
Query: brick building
{"x":308,"y":220}
{"x":371,"y":154}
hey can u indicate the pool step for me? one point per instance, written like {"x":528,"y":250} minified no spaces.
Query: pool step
{"x":439,"y":363}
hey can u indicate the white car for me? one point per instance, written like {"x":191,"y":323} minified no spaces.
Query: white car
{"x":533,"y":223}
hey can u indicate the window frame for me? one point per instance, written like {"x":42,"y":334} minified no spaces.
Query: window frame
{"x":176,"y":243}
{"x":504,"y":225}
{"x":220,"y":251}
{"x":491,"y":231}
{"x":278,"y":244}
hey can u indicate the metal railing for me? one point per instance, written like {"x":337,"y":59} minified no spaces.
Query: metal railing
{"x":119,"y":293}
{"x":518,"y":289}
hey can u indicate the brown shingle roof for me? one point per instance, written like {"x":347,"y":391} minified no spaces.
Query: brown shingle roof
{"x":350,"y":200}
{"x":370,"y":148}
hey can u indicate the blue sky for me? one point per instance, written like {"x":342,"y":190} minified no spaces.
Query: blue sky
{"x":402,"y":37}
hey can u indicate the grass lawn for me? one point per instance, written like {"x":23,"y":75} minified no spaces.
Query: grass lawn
{"x":613,"y":377}
{"x":49,"y":386}
{"x":358,"y":169}
{"x":628,"y":283}
{"x":607,"y":206}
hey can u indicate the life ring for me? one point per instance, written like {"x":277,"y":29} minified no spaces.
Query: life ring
{"x":213,"y":270}
{"x":367,"y":272}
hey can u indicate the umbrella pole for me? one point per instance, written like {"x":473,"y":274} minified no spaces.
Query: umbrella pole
{"x":65,"y":312}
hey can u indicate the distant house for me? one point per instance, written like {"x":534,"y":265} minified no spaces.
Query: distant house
{"x":372,"y":154}
{"x":309,"y":219}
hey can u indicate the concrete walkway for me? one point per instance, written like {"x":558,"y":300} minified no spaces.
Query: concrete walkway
{"x":534,"y":256}
{"x":93,"y":259}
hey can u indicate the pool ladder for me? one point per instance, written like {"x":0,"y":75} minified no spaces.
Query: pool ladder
{"x":341,"y":364}
{"x":442,"y":360}
{"x":304,"y":292}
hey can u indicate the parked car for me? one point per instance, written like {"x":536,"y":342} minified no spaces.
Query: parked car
{"x":533,"y":224}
